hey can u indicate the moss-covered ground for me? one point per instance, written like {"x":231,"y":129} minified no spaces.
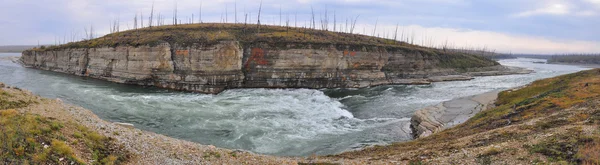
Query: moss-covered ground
{"x":33,"y":139}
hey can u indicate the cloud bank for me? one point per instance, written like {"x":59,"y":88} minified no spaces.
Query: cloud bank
{"x":519,"y":26}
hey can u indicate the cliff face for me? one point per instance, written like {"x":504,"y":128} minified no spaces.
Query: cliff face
{"x":212,"y":68}
{"x":434,"y":119}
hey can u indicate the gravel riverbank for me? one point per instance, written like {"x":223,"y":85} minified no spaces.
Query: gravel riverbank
{"x":146,"y":147}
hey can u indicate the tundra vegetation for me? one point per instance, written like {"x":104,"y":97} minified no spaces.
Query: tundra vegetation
{"x":34,"y":139}
{"x":555,"y":120}
{"x":322,"y":27}
{"x":276,"y":36}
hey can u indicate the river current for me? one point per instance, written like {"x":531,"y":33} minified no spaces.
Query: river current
{"x":284,"y":122}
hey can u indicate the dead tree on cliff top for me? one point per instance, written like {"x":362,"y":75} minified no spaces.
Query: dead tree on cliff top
{"x":354,"y":24}
{"x":334,"y":21}
{"x":259,"y":11}
{"x":175,"y":14}
{"x":200,"y":13}
{"x":151,"y":15}
{"x":142,"y":20}
{"x":396,"y":33}
{"x":235,"y":12}
{"x":313,"y":26}
{"x":375,"y":29}
{"x":135,"y":22}
{"x":89,"y":35}
{"x":226,"y":14}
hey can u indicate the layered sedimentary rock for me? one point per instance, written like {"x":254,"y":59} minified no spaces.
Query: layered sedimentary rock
{"x":200,"y":68}
{"x":212,"y":68}
{"x":437,"y":118}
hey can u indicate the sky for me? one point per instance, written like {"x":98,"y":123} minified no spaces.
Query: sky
{"x":515,"y":26}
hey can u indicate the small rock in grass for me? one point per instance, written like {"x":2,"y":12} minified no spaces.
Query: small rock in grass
{"x":211,"y":147}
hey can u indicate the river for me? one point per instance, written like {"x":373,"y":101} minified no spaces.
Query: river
{"x":283,"y":122}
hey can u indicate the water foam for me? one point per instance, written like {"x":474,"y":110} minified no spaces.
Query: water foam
{"x":294,"y":122}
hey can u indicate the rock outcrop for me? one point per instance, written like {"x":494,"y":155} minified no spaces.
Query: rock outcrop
{"x":433,"y":119}
{"x":212,"y":68}
{"x":210,"y":58}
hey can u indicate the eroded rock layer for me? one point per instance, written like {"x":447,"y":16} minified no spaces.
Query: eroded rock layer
{"x":212,"y":68}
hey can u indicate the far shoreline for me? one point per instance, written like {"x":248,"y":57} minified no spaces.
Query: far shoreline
{"x":591,"y":66}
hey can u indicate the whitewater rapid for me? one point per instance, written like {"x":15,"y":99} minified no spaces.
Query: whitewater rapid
{"x":288,"y":122}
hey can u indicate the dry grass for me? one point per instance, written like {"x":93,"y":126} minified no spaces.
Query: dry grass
{"x":590,"y":153}
{"x":551,"y":120}
{"x":274,"y":36}
{"x":33,"y":139}
{"x":207,"y":33}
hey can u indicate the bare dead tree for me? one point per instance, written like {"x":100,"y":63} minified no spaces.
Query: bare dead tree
{"x":287,"y":21}
{"x":375,"y":29}
{"x":313,"y":26}
{"x":396,"y":33}
{"x":321,"y":21}
{"x":354,"y":24}
{"x":279,"y":15}
{"x":175,"y":14}
{"x":91,"y":32}
{"x":142,"y":20}
{"x":326,"y":20}
{"x":159,"y":19}
{"x":402,"y":37}
{"x":235,"y":8}
{"x":151,"y":15}
{"x":412,"y":40}
{"x":445,"y":45}
{"x":119,"y":24}
{"x":259,"y":11}
{"x":334,"y":21}
{"x":346,"y":27}
{"x":135,"y":22}
{"x":200,"y":13}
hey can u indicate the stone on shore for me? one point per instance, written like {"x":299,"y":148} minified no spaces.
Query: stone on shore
{"x":126,"y":125}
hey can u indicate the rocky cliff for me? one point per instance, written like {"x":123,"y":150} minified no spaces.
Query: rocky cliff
{"x":211,"y":66}
{"x":433,"y":119}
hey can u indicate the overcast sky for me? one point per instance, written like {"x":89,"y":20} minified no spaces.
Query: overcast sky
{"x":518,"y":26}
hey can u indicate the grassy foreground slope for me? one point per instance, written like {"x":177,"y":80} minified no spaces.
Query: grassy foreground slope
{"x":33,"y":139}
{"x":36,"y":130}
{"x":275,"y":36}
{"x":555,"y":120}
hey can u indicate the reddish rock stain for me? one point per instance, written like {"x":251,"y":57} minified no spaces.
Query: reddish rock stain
{"x":258,"y":57}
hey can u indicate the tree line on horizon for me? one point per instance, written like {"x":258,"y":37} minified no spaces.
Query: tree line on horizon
{"x":576,"y":58}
